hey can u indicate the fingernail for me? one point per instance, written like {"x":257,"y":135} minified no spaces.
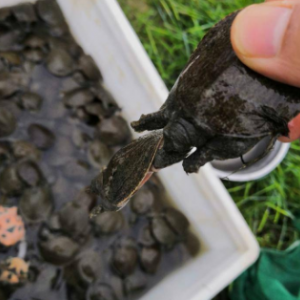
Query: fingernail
{"x":259,"y":30}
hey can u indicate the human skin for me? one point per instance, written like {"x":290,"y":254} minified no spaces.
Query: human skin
{"x":266,"y":38}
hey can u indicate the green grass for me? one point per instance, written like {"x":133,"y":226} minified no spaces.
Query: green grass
{"x":169,"y":31}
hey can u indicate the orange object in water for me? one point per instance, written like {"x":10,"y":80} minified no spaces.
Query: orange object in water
{"x":11,"y":226}
{"x":13,"y":270}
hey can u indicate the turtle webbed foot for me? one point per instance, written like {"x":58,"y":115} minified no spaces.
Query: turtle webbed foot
{"x":196,"y":160}
{"x":150,"y":122}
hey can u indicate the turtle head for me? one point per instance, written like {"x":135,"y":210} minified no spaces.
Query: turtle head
{"x":126,"y":173}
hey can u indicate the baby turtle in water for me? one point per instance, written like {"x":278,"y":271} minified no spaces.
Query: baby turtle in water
{"x":218,"y":106}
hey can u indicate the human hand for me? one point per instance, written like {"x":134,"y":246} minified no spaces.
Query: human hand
{"x":266,"y":38}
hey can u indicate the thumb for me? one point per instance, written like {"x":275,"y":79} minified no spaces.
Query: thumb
{"x":266,"y":37}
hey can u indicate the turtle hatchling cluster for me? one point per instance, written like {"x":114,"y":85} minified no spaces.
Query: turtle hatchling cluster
{"x":58,"y":127}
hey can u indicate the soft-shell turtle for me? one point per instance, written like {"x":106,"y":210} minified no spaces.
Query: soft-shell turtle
{"x":218,"y":106}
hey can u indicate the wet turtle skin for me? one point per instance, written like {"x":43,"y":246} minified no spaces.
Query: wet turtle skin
{"x":219,"y":106}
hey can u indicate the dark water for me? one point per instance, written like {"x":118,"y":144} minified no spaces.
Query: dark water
{"x":66,"y":168}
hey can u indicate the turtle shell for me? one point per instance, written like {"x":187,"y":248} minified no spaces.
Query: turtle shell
{"x":216,"y":91}
{"x":128,"y":169}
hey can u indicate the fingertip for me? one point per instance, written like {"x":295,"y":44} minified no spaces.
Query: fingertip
{"x":294,"y":127}
{"x":266,"y":38}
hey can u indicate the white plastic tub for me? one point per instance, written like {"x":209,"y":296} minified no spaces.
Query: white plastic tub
{"x":228,"y":245}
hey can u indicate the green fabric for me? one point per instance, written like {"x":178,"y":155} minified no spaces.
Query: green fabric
{"x":275,"y":276}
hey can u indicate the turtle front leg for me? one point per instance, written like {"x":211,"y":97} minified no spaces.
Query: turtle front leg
{"x":150,"y":122}
{"x":196,"y":160}
{"x":164,"y":159}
